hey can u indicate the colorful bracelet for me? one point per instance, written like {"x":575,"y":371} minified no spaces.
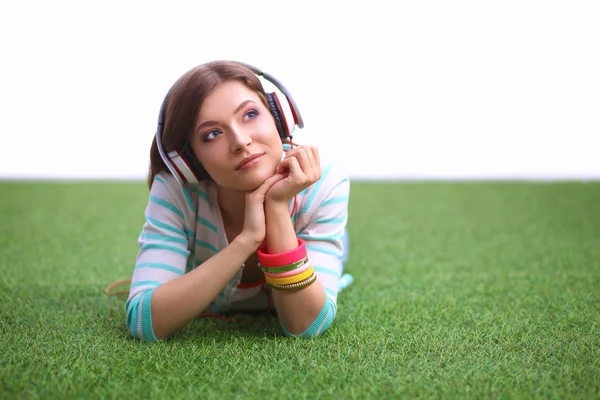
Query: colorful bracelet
{"x":285,"y":268}
{"x":301,"y":268}
{"x":277,"y":260}
{"x":296,"y":286}
{"x":291,"y":279}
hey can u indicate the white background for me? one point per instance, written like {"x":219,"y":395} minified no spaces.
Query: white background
{"x":420,"y":89}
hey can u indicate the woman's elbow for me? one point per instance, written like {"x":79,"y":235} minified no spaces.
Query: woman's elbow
{"x":322,"y":323}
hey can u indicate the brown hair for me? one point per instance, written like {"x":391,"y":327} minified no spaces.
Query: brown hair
{"x":185,"y":99}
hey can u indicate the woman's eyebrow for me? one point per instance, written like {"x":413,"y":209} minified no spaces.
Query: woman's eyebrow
{"x":237,"y":109}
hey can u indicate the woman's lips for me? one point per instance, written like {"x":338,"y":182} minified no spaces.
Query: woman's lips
{"x":250,"y":161}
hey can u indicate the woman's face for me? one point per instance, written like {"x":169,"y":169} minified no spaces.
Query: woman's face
{"x":234,"y":125}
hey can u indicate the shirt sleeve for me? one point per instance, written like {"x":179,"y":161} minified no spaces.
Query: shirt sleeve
{"x":162,"y":256}
{"x":323,"y":219}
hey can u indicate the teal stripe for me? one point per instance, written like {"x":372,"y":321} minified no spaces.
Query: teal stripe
{"x":188,"y":199}
{"x":331,"y":292}
{"x":315,"y":189}
{"x":325,"y":250}
{"x":145,"y":283}
{"x":166,"y":205}
{"x":146,"y":304}
{"x":206,"y":245}
{"x":327,"y":271}
{"x":165,"y":226}
{"x":345,"y":281}
{"x":166,"y":267}
{"x":337,"y":220}
{"x":164,"y":238}
{"x":304,"y":192}
{"x":160,"y":246}
{"x":133,"y":313}
{"x":334,"y":200}
{"x":200,"y":193}
{"x":306,"y":237}
{"x":157,"y":178}
{"x":207,"y":224}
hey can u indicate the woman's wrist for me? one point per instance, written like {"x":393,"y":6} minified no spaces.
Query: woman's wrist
{"x":276,"y":206}
{"x":245,"y":244}
{"x":281,"y":236}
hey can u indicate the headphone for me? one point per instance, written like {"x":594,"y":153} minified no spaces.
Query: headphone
{"x":184,"y":164}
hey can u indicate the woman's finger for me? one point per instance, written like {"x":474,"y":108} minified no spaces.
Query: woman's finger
{"x":296,"y":172}
{"x":314,"y":173}
{"x":303,"y":160}
{"x":315,"y":153}
{"x":266,"y":185}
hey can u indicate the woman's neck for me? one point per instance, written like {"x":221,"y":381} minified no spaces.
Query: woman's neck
{"x":232,"y":204}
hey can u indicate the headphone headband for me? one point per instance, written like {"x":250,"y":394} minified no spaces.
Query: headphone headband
{"x":281,"y":88}
{"x":158,"y":137}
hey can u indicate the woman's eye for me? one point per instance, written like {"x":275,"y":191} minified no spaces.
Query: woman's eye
{"x":251,"y":114}
{"x":211,"y":135}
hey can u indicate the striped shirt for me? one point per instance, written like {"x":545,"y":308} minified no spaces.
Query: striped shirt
{"x":183,"y":229}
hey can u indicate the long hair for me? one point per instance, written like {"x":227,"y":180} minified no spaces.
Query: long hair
{"x":184,"y":100}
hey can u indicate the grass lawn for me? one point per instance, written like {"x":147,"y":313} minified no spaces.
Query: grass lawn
{"x":471,"y":290}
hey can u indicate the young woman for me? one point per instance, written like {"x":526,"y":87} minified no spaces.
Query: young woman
{"x":238,"y":218}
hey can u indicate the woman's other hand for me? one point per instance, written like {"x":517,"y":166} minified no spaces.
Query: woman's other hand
{"x":300,"y":168}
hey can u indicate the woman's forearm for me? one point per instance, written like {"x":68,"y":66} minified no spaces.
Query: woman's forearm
{"x":296,"y":310}
{"x":177,"y":302}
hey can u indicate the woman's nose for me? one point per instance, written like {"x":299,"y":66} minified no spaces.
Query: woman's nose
{"x":240,"y":140}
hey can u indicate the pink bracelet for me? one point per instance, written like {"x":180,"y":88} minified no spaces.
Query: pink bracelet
{"x":293,"y":272}
{"x":277,"y":260}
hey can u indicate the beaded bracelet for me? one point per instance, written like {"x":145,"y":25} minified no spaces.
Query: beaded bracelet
{"x":296,"y":286}
{"x":291,"y":279}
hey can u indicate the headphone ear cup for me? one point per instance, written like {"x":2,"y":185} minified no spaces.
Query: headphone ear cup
{"x":278,"y":115}
{"x":180,"y":167}
{"x":196,"y":168}
{"x":289,"y":120}
{"x":186,"y":166}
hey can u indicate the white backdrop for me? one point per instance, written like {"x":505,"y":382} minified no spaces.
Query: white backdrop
{"x":443,"y":89}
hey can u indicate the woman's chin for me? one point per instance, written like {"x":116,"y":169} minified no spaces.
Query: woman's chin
{"x":251,"y":180}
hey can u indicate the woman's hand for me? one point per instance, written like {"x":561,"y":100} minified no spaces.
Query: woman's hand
{"x":255,"y":228}
{"x":300,"y":168}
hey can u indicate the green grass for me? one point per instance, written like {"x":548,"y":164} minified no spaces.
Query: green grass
{"x":471,"y":290}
